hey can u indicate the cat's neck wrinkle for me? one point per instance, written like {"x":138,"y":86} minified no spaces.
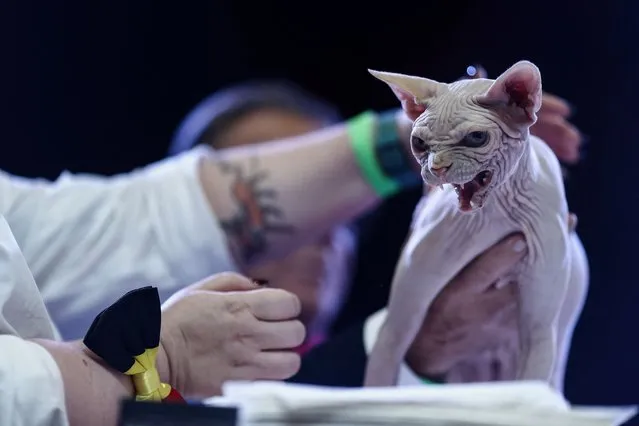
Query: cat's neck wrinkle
{"x":518,"y":181}
{"x":517,"y":201}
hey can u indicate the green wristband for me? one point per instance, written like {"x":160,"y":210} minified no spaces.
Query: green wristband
{"x":362,"y":136}
{"x":428,"y":382}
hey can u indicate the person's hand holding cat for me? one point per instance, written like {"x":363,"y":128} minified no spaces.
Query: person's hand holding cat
{"x":476,"y":312}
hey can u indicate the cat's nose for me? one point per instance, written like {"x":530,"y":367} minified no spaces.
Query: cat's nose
{"x":440,"y":172}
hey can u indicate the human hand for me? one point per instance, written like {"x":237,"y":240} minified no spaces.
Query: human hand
{"x":552,"y":123}
{"x":475,"y":313}
{"x":228,"y":328}
{"x":316,"y":273}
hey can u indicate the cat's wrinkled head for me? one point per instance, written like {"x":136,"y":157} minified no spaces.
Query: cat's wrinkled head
{"x":471,"y":133}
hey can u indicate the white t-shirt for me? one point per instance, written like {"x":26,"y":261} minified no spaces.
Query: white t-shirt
{"x":31,"y":389}
{"x":85,"y":241}
{"x":90,"y":239}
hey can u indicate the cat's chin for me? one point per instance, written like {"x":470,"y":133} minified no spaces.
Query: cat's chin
{"x":471,"y":195}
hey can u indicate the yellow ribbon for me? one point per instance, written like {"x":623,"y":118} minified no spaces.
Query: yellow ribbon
{"x":146,"y":378}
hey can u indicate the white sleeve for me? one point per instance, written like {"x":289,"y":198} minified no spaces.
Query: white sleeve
{"x":31,"y":388}
{"x":371,"y":329}
{"x":89,"y":239}
{"x":30,"y":383}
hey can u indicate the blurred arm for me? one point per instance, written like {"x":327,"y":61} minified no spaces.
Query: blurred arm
{"x":89,"y":239}
{"x":273,"y":197}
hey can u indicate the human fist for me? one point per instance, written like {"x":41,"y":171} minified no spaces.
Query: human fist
{"x":228,"y":328}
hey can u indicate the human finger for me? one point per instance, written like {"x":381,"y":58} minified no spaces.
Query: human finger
{"x":225,"y":281}
{"x":273,"y":304}
{"x":493,"y":264}
{"x":555,"y":105}
{"x":279,"y":335}
{"x":271,"y":365}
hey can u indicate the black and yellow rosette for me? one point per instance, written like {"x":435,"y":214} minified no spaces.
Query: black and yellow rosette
{"x":126,"y":335}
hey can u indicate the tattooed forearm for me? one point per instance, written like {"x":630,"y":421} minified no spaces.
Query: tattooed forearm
{"x":257,"y":213}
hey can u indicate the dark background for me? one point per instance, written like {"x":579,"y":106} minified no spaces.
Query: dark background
{"x":100,"y":88}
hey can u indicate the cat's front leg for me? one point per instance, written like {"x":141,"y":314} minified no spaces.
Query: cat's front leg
{"x":542,"y":294}
{"x":431,"y":258}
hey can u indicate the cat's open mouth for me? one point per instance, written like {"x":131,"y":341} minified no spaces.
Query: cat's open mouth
{"x":466,"y":192}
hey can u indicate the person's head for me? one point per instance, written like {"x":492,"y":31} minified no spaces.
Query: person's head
{"x":254,"y":113}
{"x":250,"y":113}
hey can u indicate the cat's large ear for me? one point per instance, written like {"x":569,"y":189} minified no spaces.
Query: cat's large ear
{"x":517,"y":92}
{"x":411,"y":91}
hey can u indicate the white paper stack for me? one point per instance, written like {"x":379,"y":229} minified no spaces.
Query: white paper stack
{"x":486,"y":404}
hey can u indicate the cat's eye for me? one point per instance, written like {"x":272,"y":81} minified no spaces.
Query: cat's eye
{"x":419,"y":144}
{"x":475,"y":139}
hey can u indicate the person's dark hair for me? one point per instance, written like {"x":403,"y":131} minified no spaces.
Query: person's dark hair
{"x":219,"y":111}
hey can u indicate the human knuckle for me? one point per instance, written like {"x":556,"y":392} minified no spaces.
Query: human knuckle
{"x":225,"y":276}
{"x":234,"y":304}
{"x":288,"y":301}
{"x":242,"y":346}
{"x":239,"y":362}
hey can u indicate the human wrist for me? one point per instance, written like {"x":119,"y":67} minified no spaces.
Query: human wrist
{"x":168,"y":362}
{"x":94,"y":361}
{"x":126,"y":337}
{"x":164,"y":365}
{"x":380,"y":154}
{"x":91,"y":388}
